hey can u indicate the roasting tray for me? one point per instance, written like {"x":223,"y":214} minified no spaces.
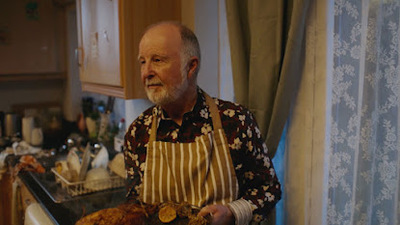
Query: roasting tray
{"x":85,"y":187}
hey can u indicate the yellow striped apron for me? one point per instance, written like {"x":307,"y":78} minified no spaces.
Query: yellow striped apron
{"x":199,"y":173}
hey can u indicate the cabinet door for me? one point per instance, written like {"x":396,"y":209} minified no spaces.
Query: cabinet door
{"x":109,"y":32}
{"x":26,"y":196}
{"x":98,"y":31}
{"x":31,"y":36}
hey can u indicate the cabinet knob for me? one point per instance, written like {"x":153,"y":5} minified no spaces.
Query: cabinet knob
{"x":28,"y":201}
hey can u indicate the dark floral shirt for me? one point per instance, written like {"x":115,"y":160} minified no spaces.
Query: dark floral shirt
{"x":258,"y":183}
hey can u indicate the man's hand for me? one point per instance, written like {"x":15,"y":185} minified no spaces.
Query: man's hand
{"x":220,"y":214}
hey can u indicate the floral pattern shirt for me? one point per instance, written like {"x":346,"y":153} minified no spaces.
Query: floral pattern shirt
{"x":258,"y":183}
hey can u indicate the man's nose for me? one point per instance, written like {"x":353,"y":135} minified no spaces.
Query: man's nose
{"x":146,"y":70}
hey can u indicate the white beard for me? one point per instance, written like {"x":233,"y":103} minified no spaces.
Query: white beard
{"x":164,"y":94}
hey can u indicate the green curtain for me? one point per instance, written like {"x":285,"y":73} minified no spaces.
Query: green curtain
{"x":267,"y":52}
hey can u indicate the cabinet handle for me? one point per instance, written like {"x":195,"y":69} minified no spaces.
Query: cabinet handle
{"x":79,"y":56}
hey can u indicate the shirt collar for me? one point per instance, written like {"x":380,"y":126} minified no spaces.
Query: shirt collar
{"x":200,"y":104}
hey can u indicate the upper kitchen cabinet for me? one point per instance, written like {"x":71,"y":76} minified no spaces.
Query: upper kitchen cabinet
{"x":32,"y":42}
{"x":109,"y":32}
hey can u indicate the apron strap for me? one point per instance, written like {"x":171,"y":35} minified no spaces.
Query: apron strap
{"x":154,"y":125}
{"x":214,"y":116}
{"x":214,"y":112}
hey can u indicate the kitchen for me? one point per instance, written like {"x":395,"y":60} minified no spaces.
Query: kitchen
{"x":339,"y":157}
{"x":42,"y":61}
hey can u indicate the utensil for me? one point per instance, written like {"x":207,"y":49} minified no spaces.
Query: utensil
{"x":110,"y":104}
{"x":85,"y":163}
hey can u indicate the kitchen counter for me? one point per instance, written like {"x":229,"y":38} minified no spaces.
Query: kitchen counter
{"x":71,"y":210}
{"x":62,"y":208}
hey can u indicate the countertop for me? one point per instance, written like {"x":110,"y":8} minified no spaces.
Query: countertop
{"x":70,"y":209}
{"x":68,"y":212}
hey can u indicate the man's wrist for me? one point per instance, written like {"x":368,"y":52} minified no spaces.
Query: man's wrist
{"x":231,"y":216}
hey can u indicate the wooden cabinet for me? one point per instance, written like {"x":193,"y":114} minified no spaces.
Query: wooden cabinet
{"x":5,"y":198}
{"x":10,"y":204}
{"x":109,"y":32}
{"x":26,"y":196}
{"x":31,"y":39}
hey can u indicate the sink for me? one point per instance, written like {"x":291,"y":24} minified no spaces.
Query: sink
{"x":47,"y":180}
{"x":48,"y":183}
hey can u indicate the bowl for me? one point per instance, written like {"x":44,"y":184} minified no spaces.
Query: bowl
{"x":97,"y":179}
{"x":117,"y":165}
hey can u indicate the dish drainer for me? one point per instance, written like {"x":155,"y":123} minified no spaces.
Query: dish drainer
{"x":86,"y":187}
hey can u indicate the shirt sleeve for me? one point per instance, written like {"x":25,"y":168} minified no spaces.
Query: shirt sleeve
{"x":258,"y":184}
{"x":133,"y":177}
{"x":242,"y":210}
{"x":135,"y":144}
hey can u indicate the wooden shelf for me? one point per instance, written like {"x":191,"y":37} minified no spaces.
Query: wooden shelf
{"x":30,"y":77}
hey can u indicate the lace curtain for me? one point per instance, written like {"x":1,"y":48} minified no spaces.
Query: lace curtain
{"x":364,"y":161}
{"x":342,"y":148}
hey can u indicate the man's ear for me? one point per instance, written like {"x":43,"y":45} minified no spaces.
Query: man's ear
{"x":192,"y":66}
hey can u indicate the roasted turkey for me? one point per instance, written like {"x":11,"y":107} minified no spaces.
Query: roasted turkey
{"x":142,"y":214}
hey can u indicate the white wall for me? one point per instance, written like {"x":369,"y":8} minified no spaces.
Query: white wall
{"x":215,"y":75}
{"x":224,"y":60}
{"x":206,"y":29}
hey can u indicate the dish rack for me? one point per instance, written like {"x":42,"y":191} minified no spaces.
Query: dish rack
{"x":85,"y":187}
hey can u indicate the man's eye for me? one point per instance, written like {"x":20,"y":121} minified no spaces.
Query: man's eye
{"x":142,"y":62}
{"x":157,"y":60}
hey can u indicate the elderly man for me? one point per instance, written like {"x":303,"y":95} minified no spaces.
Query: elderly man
{"x":190,"y":147}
